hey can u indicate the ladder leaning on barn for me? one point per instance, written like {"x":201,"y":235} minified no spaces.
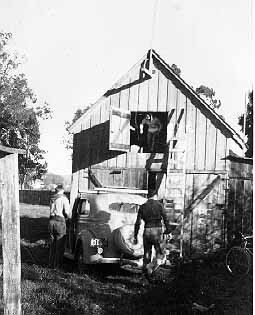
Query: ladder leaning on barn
{"x":175,"y":210}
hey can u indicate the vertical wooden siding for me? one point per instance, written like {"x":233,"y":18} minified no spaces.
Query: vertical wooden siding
{"x":191,"y":135}
{"x":239,"y":215}
{"x":205,"y":144}
{"x":204,"y":225}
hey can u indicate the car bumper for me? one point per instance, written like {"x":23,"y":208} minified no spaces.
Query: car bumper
{"x":121,"y":261}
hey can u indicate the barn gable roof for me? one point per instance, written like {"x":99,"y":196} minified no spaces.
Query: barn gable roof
{"x":187,"y":89}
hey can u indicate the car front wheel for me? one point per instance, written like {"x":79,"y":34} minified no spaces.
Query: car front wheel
{"x":79,"y":261}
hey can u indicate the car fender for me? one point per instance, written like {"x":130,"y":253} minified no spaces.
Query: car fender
{"x":90,"y":254}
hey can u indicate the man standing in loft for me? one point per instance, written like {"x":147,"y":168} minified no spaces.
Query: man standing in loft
{"x":151,"y":212}
{"x":150,"y":128}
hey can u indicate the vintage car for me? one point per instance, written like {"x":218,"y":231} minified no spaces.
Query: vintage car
{"x":101,"y":229}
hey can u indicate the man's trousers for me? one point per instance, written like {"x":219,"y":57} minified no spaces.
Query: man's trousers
{"x":57,"y":230}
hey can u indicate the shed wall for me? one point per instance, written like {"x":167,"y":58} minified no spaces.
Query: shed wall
{"x":206,"y":146}
{"x":205,"y":143}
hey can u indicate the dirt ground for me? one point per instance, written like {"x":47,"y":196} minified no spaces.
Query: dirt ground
{"x":197,"y":286}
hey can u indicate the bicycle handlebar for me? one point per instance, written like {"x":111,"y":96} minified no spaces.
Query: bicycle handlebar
{"x":248,"y":237}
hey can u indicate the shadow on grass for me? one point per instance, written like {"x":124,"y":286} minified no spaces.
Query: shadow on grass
{"x":34,"y":240}
{"x":33,"y":229}
{"x":121,"y":292}
{"x":111,"y":290}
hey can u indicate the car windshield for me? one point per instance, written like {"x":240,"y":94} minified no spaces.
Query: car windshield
{"x":128,"y":203}
{"x":124,"y":207}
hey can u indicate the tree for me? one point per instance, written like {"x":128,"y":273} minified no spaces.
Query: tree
{"x":248,"y":125}
{"x":19,"y":118}
{"x":68,"y":140}
{"x":203,"y":91}
{"x":209,"y":95}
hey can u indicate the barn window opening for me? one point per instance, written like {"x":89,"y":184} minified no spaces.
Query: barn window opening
{"x":149,"y":131}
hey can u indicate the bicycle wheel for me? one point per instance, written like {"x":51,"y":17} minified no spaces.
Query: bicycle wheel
{"x":238,"y":261}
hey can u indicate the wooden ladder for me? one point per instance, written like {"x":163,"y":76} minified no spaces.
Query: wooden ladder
{"x":174,"y":203}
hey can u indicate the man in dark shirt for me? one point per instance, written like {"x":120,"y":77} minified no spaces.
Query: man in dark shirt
{"x":151,"y":212}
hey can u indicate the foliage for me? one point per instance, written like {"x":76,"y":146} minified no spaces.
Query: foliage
{"x":248,"y":125}
{"x":203,"y":91}
{"x":68,"y":140}
{"x":175,"y":69}
{"x":209,"y":95}
{"x":19,"y":120}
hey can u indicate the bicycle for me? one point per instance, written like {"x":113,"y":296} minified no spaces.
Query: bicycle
{"x":239,"y":257}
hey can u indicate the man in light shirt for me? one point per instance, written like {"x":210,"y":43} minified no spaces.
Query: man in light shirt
{"x":59,"y":212}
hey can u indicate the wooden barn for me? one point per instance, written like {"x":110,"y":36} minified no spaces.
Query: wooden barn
{"x":187,"y":157}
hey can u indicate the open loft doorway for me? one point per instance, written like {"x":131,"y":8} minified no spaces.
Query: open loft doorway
{"x":149,"y":131}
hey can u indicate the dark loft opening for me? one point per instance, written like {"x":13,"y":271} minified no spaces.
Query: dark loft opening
{"x":149,"y":131}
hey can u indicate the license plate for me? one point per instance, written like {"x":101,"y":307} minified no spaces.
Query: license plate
{"x":98,"y":242}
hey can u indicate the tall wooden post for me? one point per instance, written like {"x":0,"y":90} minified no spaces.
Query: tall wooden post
{"x":9,"y":207}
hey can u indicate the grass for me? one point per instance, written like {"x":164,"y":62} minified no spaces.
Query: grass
{"x":105,"y":291}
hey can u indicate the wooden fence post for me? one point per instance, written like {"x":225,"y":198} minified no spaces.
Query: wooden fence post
{"x":9,"y":205}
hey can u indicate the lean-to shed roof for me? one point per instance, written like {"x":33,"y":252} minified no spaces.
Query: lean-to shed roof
{"x":8,"y":150}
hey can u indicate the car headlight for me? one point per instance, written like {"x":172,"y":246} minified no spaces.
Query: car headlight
{"x":100,"y":250}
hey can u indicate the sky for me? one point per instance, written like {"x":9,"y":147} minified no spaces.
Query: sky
{"x":75,"y":50}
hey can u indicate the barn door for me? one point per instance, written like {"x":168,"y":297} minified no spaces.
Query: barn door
{"x":119,"y":138}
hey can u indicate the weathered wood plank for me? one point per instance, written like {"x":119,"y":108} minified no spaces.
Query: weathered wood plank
{"x":200,"y":141}
{"x":9,"y":204}
{"x":118,"y":181}
{"x":121,"y":160}
{"x":95,"y":117}
{"x":143,"y":96}
{"x":83,"y":181}
{"x":131,"y":160}
{"x":105,"y":110}
{"x":104,"y":134}
{"x":124,"y":94}
{"x":190,"y":137}
{"x":85,"y":124}
{"x":115,"y":100}
{"x":112,"y":163}
{"x":141,"y":159}
{"x":179,"y":129}
{"x":134,"y":90}
{"x":126,"y":178}
{"x":210,"y":146}
{"x":153,"y":93}
{"x":170,"y":126}
{"x":162,"y":92}
{"x":220,"y":151}
{"x":171,"y":96}
{"x":248,"y":207}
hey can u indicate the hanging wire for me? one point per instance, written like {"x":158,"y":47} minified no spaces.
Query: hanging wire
{"x":154,"y":18}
